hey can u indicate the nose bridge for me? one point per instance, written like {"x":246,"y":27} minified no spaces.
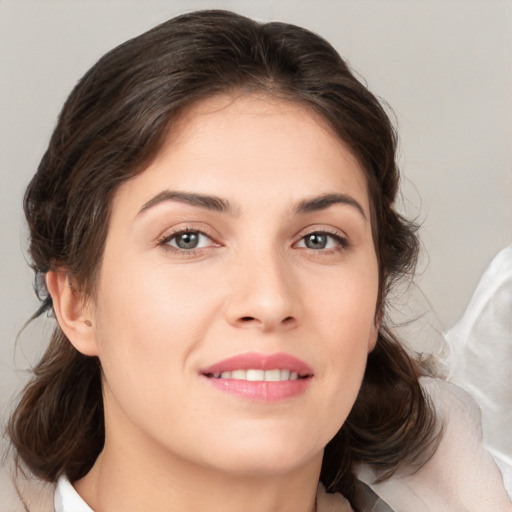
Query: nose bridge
{"x":263,"y":288}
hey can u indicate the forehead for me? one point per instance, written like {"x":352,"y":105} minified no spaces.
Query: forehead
{"x":252,"y":147}
{"x":252,"y":110}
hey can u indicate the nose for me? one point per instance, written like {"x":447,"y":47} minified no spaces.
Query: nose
{"x":264,"y":294}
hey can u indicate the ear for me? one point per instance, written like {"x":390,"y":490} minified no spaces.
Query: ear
{"x":372,"y":338}
{"x":374,"y":332}
{"x":73,"y":313}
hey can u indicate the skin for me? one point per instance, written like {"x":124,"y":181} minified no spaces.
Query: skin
{"x":161,"y":314}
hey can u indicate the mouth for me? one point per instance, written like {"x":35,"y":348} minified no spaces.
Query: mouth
{"x":260,"y":377}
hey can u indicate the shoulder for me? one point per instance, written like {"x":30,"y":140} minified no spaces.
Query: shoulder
{"x":21,"y":492}
{"x":461,"y":475}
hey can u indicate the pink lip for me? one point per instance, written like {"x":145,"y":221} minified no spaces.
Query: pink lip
{"x":261,"y":391}
{"x":260,"y":362}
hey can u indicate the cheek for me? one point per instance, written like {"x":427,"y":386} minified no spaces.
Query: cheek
{"x":345,"y":331}
{"x":345,"y":303}
{"x":147,"y":324}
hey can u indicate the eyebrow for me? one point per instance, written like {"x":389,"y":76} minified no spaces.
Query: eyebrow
{"x":220,"y":205}
{"x":324,"y":201}
{"x":203,"y":201}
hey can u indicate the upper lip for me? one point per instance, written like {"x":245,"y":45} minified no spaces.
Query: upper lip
{"x":254,"y":360}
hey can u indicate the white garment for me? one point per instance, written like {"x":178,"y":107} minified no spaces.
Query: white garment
{"x":67,"y":499}
{"x":480,"y":357}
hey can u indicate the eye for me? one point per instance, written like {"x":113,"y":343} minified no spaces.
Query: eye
{"x":188,"y":240}
{"x":319,"y":240}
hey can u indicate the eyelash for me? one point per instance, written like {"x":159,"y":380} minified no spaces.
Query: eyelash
{"x":342,"y":243}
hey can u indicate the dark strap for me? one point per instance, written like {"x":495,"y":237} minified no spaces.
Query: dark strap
{"x":366,"y":500}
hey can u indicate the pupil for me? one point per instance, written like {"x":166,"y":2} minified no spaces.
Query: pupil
{"x":187,"y":240}
{"x":316,"y":241}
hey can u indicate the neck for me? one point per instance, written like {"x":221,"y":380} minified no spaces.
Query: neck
{"x":143,"y":478}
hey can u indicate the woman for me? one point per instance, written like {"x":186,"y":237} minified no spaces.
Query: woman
{"x":213,"y":227}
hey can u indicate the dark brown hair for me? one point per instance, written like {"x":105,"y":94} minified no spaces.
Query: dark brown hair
{"x":111,"y":127}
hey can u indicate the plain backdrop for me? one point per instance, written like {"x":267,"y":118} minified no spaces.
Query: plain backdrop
{"x":444,"y":66}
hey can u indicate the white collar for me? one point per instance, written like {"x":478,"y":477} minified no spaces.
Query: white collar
{"x":67,"y":499}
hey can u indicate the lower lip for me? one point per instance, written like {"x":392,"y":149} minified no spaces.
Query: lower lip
{"x":262,"y":391}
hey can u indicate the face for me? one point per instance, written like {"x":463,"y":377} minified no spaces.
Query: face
{"x":235,"y":306}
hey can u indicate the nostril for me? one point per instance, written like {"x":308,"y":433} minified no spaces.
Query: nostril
{"x":249,"y":321}
{"x":287,"y":320}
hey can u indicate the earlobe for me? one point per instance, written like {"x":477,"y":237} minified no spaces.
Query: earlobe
{"x":372,"y":339}
{"x":374,"y":335}
{"x":73,"y":314}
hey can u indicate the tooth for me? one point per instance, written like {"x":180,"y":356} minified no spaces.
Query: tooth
{"x":255,"y":375}
{"x":285,"y":375}
{"x":272,"y":375}
{"x":239,"y":375}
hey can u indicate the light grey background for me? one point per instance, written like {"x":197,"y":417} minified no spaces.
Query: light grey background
{"x":445,"y":66}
